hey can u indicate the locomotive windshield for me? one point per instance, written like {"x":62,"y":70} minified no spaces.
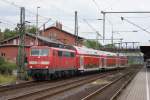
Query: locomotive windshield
{"x":39,"y":52}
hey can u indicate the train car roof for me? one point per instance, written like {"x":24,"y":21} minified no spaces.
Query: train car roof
{"x":89,"y":51}
{"x":109,"y":53}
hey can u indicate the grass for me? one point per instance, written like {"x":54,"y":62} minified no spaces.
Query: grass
{"x":7,"y":79}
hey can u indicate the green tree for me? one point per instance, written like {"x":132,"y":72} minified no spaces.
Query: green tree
{"x":10,"y":33}
{"x":92,"y":44}
{"x":31,"y":29}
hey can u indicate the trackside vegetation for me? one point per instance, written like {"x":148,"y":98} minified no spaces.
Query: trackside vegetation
{"x":6,"y":71}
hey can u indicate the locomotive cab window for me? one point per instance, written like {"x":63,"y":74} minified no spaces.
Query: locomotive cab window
{"x":39,"y":52}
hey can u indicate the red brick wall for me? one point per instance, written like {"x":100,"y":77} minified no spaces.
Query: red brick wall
{"x":10,"y":52}
{"x":59,"y":35}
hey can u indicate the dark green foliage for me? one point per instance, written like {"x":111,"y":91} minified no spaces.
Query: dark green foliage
{"x":6,"y":67}
{"x":10,"y":33}
{"x":2,"y":60}
{"x":31,"y":29}
{"x":92,"y":44}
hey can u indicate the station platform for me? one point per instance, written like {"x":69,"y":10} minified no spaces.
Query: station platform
{"x":139,"y":88}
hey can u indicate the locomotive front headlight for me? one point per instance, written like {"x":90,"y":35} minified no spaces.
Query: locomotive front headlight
{"x":45,"y":62}
{"x":32,"y":62}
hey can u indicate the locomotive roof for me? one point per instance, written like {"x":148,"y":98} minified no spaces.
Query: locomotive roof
{"x":62,"y":49}
{"x":40,"y":47}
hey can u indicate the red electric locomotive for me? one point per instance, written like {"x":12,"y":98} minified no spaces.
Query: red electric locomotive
{"x":47,"y":62}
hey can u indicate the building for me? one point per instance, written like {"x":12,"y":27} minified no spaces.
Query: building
{"x":52,"y":36}
{"x":57,"y":33}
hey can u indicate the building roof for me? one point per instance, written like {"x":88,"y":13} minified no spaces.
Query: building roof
{"x":45,"y":39}
{"x":53,"y":27}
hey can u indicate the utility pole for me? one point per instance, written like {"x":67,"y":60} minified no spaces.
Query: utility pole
{"x":103,"y":26}
{"x":37,"y":30}
{"x":76,"y":28}
{"x":21,"y":49}
{"x":112,"y":38}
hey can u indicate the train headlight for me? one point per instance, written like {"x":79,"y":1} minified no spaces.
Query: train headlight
{"x":45,"y":62}
{"x":32,"y":62}
{"x":30,"y":66}
{"x":46,"y":66}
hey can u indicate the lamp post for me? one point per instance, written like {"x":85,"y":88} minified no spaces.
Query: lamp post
{"x":37,"y":30}
{"x":98,"y":34}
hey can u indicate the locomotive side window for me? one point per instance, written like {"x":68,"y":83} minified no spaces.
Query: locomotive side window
{"x":59,"y":53}
{"x":72,"y":54}
{"x":66,"y":54}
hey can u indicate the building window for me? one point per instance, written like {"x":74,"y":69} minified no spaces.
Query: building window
{"x":18,"y":42}
{"x":50,"y":35}
{"x":2,"y":54}
{"x":14,"y":41}
{"x":31,"y":43}
{"x":55,"y":36}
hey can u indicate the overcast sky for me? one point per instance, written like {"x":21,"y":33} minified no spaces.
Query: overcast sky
{"x":89,"y":10}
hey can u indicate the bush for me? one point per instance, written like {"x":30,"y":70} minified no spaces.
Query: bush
{"x":7,"y":68}
{"x":2,"y":60}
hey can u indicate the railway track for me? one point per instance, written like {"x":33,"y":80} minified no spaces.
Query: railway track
{"x":58,"y":88}
{"x":26,"y":84}
{"x":44,"y":90}
{"x":17,"y":86}
{"x":114,"y":88}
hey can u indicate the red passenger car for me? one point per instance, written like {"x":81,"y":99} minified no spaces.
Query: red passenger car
{"x":87,"y":59}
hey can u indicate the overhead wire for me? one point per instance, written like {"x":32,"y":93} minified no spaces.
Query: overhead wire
{"x":27,"y":10}
{"x":18,"y":6}
{"x":122,"y":18}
